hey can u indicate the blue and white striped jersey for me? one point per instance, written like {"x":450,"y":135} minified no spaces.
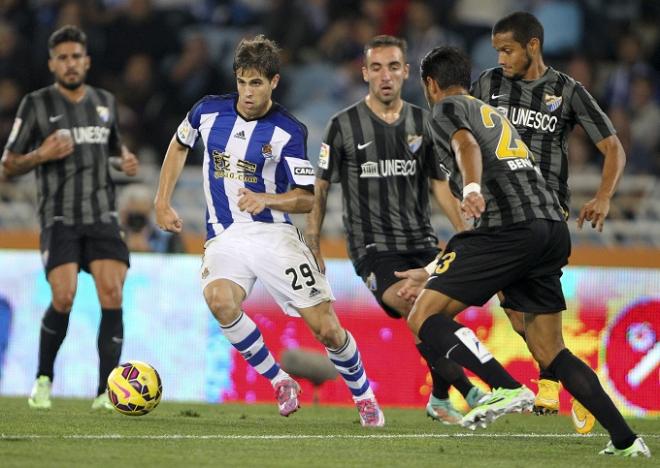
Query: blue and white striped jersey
{"x":265,"y":155}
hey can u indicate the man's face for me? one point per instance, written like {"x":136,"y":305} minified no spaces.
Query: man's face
{"x":69,"y":63}
{"x":385,"y":70}
{"x":514,"y":58}
{"x":254,"y":92}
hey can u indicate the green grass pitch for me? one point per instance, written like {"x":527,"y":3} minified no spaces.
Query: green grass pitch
{"x":230,"y":435}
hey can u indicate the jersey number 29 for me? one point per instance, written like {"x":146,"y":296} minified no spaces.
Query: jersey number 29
{"x":303,"y":270}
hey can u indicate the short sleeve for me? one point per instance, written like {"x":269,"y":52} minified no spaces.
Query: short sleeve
{"x":432,"y":159}
{"x":188,"y":130}
{"x":589,"y":115}
{"x":330,"y":156}
{"x":299,"y":170}
{"x":22,"y":137}
{"x":451,"y":116}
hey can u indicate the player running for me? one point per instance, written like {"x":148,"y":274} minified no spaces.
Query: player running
{"x":544,"y":105}
{"x":255,"y":173}
{"x":519,"y":245}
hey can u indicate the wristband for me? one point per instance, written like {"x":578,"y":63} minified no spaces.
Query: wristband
{"x":430,"y":268}
{"x":471,"y":187}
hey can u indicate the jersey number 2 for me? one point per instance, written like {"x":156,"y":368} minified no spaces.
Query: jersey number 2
{"x":305,"y":272}
{"x":504,"y":148}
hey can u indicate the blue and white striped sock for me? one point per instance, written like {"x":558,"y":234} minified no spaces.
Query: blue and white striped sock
{"x":244,"y":335}
{"x":349,"y":365}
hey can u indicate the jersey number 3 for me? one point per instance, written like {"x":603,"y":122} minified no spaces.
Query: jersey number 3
{"x":445,"y":261}
{"x":505,"y":149}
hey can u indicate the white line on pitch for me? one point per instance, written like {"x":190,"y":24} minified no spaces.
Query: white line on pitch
{"x":299,"y":436}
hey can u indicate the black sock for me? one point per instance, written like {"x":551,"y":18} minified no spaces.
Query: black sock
{"x":111,"y":337}
{"x":440,"y":385}
{"x":53,"y":330}
{"x":545,"y":374}
{"x":444,"y":373}
{"x":583,"y":384}
{"x":442,"y":335}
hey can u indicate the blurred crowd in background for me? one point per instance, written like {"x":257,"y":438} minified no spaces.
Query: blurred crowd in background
{"x":160,"y":56}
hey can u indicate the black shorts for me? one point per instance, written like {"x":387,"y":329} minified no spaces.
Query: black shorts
{"x":81,"y":244}
{"x":523,"y":260}
{"x":377,"y":271}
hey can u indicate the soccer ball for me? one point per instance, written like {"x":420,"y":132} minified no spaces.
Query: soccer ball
{"x":134,"y":388}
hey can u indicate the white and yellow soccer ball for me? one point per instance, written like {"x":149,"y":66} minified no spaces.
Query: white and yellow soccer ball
{"x":134,"y":388}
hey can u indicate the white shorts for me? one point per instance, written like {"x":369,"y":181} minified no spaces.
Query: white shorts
{"x":274,"y":253}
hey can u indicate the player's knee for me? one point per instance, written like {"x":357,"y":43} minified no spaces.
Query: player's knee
{"x":331,"y":335}
{"x":414,"y":320}
{"x":63,"y":300}
{"x":543,"y":353}
{"x":223,"y":307}
{"x":391,"y":300}
{"x":110,"y":295}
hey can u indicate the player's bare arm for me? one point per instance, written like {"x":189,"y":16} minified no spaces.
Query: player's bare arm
{"x":597,"y":209}
{"x":449,"y":203}
{"x":297,"y":200}
{"x":55,"y":146}
{"x":315,"y":220}
{"x":175,"y":158}
{"x":469,"y":159}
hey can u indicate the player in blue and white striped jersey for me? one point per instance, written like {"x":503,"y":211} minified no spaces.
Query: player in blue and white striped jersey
{"x":255,"y":172}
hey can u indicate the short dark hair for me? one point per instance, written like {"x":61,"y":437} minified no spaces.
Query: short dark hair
{"x":447,"y":66}
{"x":524,"y":26}
{"x":260,"y":54}
{"x":67,"y":33}
{"x":385,"y":40}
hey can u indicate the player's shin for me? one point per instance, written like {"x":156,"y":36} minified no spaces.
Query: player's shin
{"x":109,"y":343}
{"x":348,"y":363}
{"x":459,"y":344}
{"x":244,"y":335}
{"x":581,"y":382}
{"x":53,"y":330}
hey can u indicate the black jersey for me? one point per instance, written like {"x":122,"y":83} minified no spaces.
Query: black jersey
{"x":511,"y":183}
{"x":384,"y":170}
{"x":76,"y":189}
{"x":544,"y":111}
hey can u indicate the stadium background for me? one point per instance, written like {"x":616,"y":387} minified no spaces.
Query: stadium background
{"x":159,"y":57}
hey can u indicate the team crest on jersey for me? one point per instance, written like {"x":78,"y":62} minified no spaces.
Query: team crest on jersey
{"x":552,"y":102}
{"x":267,"y":151}
{"x":324,"y":156}
{"x":414,"y":142}
{"x":371,"y":282}
{"x":104,"y":113}
{"x":205,"y":273}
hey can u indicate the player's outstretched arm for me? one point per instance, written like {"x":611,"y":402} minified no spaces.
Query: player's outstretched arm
{"x":469,"y":159}
{"x":297,"y":200}
{"x":449,"y":203}
{"x":175,"y":158}
{"x":314,"y":220}
{"x":57,"y":145}
{"x":597,"y":209}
